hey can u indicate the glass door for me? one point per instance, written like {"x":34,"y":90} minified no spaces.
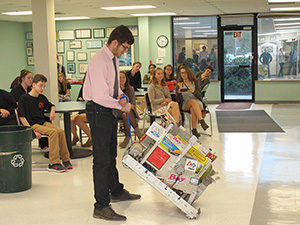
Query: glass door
{"x":237,"y":82}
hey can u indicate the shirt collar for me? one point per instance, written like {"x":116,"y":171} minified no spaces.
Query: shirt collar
{"x":108,"y":52}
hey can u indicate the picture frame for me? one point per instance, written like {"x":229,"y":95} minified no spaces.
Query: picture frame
{"x":30,"y":60}
{"x":83,"y":67}
{"x":99,"y":33}
{"x":70,"y":56}
{"x":127,"y":59}
{"x":92,"y":54}
{"x":29,"y":51}
{"x":81,"y":56}
{"x":83,"y":33}
{"x":71,"y":68}
{"x":29,"y":35}
{"x":60,"y":47}
{"x":92,"y":44}
{"x":66,"y":35}
{"x":60,"y":59}
{"x":29,"y":44}
{"x":75,"y":45}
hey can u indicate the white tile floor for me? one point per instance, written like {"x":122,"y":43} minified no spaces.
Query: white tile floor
{"x":259,"y":184}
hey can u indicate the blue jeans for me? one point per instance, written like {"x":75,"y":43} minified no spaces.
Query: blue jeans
{"x":68,"y":99}
{"x":103,"y":127}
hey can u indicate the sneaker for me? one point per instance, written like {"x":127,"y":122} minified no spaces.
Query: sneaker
{"x":195,"y":133}
{"x":58,"y":168}
{"x":108,"y":213}
{"x":68,"y":165}
{"x":125,"y":196}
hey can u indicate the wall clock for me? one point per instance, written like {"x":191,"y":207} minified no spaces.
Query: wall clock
{"x":162,"y":41}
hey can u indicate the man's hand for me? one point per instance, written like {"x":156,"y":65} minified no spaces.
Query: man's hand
{"x":126,"y":108}
{"x":52,"y":113}
{"x":38,"y":135}
{"x":123,"y":102}
{"x":4,"y":113}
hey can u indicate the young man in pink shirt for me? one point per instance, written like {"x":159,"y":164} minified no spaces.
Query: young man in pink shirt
{"x":102,"y":91}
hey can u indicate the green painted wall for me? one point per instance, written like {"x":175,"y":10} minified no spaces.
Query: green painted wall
{"x":13,"y":52}
{"x":13,"y":58}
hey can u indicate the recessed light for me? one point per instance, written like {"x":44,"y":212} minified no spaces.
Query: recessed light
{"x":284,"y":28}
{"x":286,"y":9}
{"x":155,"y":14}
{"x":187,"y":23}
{"x":18,"y":13}
{"x":286,"y":24}
{"x":286,"y":19}
{"x":73,"y":18}
{"x":283,"y":1}
{"x":204,"y":27}
{"x":129,"y":7}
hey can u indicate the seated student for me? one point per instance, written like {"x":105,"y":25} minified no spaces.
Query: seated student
{"x":134,"y":76}
{"x":31,"y":111}
{"x":160,"y":98}
{"x":15,"y":82}
{"x":24,"y":85}
{"x":169,"y":73}
{"x":80,"y":120}
{"x":63,"y":88}
{"x":147,"y":77}
{"x":204,"y":78}
{"x":7,"y":109}
{"x":129,"y":91}
{"x":189,"y":97}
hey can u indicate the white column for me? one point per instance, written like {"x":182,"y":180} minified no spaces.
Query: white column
{"x":44,"y":42}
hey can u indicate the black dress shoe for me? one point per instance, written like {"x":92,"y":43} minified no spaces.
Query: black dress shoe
{"x":108,"y":214}
{"x":125,"y":196}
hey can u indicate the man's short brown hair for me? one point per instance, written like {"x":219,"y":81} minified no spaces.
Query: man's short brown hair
{"x":39,"y":77}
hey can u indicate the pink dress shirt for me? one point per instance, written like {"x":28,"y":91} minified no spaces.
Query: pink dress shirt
{"x":99,"y":81}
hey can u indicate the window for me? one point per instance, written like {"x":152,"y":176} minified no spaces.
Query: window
{"x":195,"y":43}
{"x":278,"y":48}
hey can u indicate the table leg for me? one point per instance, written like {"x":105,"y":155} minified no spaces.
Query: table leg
{"x":76,"y":152}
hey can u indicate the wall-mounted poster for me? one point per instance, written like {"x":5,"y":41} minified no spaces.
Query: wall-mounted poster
{"x":30,"y":60}
{"x":127,"y":58}
{"x":70,"y":56}
{"x":83,"y":33}
{"x":71,"y":68}
{"x":99,"y":33}
{"x":83,"y":67}
{"x":29,"y":51}
{"x":94,"y":44}
{"x":66,"y":35}
{"x":81,"y":56}
{"x":75,"y":44}
{"x":60,"y":47}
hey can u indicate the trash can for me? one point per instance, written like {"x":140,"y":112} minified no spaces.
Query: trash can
{"x":15,"y":158}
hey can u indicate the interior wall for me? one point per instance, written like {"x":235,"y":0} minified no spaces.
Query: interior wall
{"x":13,"y":52}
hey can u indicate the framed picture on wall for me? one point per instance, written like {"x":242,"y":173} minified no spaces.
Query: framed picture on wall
{"x":30,"y":60}
{"x":83,"y":33}
{"x":71,"y":68}
{"x":29,"y":36}
{"x":83,"y":67}
{"x":75,"y":44}
{"x":29,"y":44}
{"x":60,"y":59}
{"x":94,"y":44}
{"x":29,"y":51}
{"x":81,"y":56}
{"x":99,"y":33}
{"x":66,"y":35}
{"x":60,"y":47}
{"x":92,"y":54}
{"x":70,"y":56}
{"x":127,"y":58}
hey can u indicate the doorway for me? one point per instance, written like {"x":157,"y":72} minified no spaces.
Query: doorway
{"x":237,"y":79}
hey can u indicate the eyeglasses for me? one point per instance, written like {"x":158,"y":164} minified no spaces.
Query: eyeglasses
{"x":184,"y":72}
{"x":126,"y":48}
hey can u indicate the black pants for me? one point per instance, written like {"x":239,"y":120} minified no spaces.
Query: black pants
{"x":103,"y":127}
{"x":10,"y":120}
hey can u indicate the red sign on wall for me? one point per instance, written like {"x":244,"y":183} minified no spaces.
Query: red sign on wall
{"x":237,"y":34}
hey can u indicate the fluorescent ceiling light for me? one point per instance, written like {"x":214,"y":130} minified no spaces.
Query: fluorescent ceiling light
{"x":286,"y":9}
{"x":19,"y":13}
{"x":187,"y":23}
{"x":181,"y":18}
{"x":212,"y":33}
{"x":198,"y":31}
{"x":129,"y":7}
{"x":283,"y":1}
{"x":286,"y":19}
{"x":155,"y":14}
{"x":286,"y":24}
{"x":199,"y":35}
{"x":72,"y":18}
{"x":204,"y":27}
{"x":292,"y":27}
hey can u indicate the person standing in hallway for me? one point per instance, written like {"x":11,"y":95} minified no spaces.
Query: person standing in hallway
{"x":102,"y":91}
{"x":265,"y":59}
{"x":281,"y":62}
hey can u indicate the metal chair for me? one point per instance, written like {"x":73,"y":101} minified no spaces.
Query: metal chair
{"x":148,"y":112}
